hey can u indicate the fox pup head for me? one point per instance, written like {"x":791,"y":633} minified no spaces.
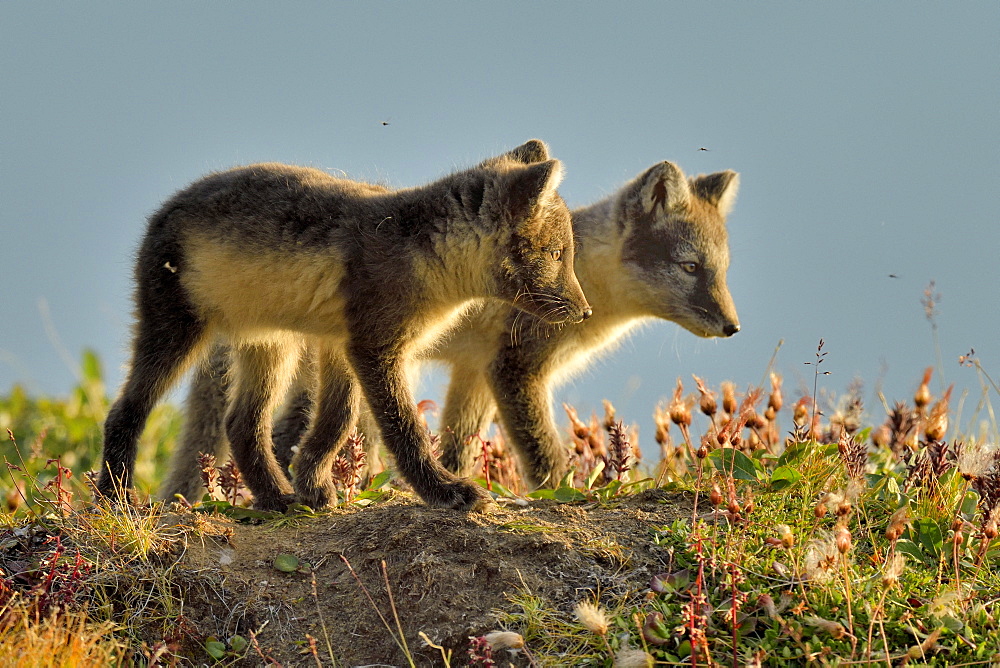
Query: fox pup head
{"x":676,"y":248}
{"x":536,"y":273}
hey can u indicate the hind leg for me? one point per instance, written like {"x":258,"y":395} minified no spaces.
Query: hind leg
{"x":294,"y":417}
{"x":261,"y":374}
{"x":163,"y":348}
{"x":202,"y":432}
{"x":336,"y":414}
{"x":468,"y":412}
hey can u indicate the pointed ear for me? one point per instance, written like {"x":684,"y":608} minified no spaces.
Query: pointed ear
{"x":528,"y":153}
{"x":529,"y":187}
{"x":718,"y":189}
{"x":663,"y":185}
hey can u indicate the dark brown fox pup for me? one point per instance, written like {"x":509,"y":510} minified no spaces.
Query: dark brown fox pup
{"x":657,"y":248}
{"x":270,"y":258}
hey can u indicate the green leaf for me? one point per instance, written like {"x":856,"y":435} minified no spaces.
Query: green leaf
{"x":796,"y":453}
{"x":542,"y":494}
{"x":592,"y":478}
{"x":286,"y":563}
{"x":927,"y":534}
{"x":784,"y":476}
{"x":654,"y":631}
{"x":239,"y":644}
{"x":215,"y":649}
{"x":380,"y":480}
{"x":911,"y":550}
{"x":568,"y":495}
{"x":733,"y":462}
{"x":368,"y":497}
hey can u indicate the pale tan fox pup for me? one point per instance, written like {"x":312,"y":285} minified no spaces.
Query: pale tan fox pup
{"x":268,"y":257}
{"x":657,"y":248}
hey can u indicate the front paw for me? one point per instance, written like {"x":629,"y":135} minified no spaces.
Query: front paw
{"x":461,"y":495}
{"x":316,"y":497}
{"x":273,"y":503}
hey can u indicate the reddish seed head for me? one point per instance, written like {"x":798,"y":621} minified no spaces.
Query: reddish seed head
{"x":775,"y":401}
{"x":728,"y":397}
{"x":922,"y":397}
{"x":800,"y":414}
{"x":707,"y":403}
{"x":843,"y":539}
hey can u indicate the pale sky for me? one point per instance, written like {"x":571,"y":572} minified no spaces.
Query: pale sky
{"x":867,"y":136}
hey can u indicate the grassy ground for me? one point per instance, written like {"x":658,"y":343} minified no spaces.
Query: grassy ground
{"x":837,"y":539}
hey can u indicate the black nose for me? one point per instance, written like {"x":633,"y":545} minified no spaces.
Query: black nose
{"x":587,"y":312}
{"x":730,"y":329}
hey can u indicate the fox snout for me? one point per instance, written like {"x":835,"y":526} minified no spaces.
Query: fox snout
{"x":580,"y":307}
{"x":730,"y":328}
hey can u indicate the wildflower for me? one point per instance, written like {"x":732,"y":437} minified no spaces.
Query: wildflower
{"x":897,"y":522}
{"x":842,"y":536}
{"x":821,"y":556}
{"x":767,"y":602}
{"x":728,"y":397}
{"x":348,"y":465}
{"x":775,"y":401}
{"x":500,"y":640}
{"x":620,"y":450}
{"x":480,"y":652}
{"x":680,"y":414}
{"x":609,"y":415}
{"x":633,"y":658}
{"x":835,"y":629}
{"x":922,"y":397}
{"x":854,"y":455}
{"x":592,"y":616}
{"x":800,"y":413}
{"x":707,"y":403}
{"x":937,"y":421}
{"x":893,"y":569}
{"x":945,"y":604}
{"x":975,"y":461}
{"x":786,"y":535}
{"x":209,"y":473}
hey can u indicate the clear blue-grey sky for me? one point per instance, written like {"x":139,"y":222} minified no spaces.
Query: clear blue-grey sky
{"x":867,"y":136}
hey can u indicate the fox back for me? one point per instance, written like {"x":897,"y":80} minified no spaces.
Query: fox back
{"x":656,"y":249}
{"x":273,"y":257}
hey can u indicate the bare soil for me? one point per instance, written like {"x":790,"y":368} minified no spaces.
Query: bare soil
{"x":449,"y":573}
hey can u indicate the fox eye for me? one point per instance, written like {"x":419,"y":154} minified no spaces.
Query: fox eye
{"x":556,"y":254}
{"x":689,"y":267}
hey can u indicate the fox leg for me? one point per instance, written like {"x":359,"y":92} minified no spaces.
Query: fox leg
{"x":524,"y":401}
{"x":261,"y":373}
{"x":295,"y":415}
{"x":336,"y":414}
{"x":202,"y":432}
{"x":468,"y":412}
{"x":163,"y":348}
{"x":382,"y":376}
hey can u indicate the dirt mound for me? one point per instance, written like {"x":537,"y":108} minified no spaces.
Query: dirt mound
{"x":448,"y":572}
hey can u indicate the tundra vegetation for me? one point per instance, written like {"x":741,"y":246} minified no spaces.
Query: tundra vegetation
{"x":812,"y":531}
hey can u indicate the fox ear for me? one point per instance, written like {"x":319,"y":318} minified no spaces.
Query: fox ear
{"x":718,"y":189}
{"x":663,"y":185}
{"x":529,"y":187}
{"x":529,"y":153}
